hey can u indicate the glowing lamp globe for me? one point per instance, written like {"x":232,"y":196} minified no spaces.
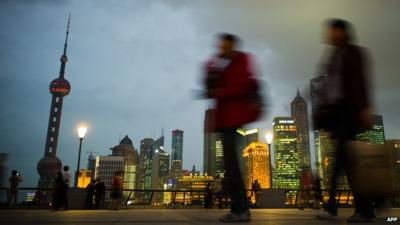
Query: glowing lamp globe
{"x":60,"y":86}
{"x":269,"y":138}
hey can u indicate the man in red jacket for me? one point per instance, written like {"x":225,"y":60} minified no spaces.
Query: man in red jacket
{"x":230,"y":82}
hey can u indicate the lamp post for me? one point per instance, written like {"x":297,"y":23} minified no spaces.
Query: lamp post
{"x":81,"y":134}
{"x":269,"y":138}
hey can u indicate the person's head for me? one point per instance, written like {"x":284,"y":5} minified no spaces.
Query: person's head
{"x":98,"y":179}
{"x":66,"y":168}
{"x":338,"y":32}
{"x":227,"y":43}
{"x":14,"y":173}
{"x":256,"y":181}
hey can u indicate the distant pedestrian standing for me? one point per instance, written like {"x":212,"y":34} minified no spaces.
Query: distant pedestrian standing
{"x":343,"y":108}
{"x":90,"y":191}
{"x":230,"y":81}
{"x":257,"y":193}
{"x":14,"y":181}
{"x":59,"y":192}
{"x":67,"y":175}
{"x":208,"y":196}
{"x":67,"y":181}
{"x":116,"y":190}
{"x":99,"y":193}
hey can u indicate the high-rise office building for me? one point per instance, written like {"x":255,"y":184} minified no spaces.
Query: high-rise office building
{"x":48,"y":166}
{"x":144,"y":144}
{"x":287,"y":163}
{"x":256,"y":165}
{"x":177,"y":153}
{"x":245,"y":138}
{"x":148,"y":161}
{"x":131,"y":157}
{"x":300,"y":114}
{"x":213,"y":147}
{"x":106,"y":166}
{"x":376,"y":134}
{"x":160,"y":169}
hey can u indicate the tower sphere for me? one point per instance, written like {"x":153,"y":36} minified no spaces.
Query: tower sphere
{"x":60,"y":86}
{"x":48,"y":166}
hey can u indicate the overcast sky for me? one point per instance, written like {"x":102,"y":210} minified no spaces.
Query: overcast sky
{"x":133,"y":65}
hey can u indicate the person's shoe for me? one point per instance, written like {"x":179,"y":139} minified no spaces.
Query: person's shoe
{"x":233,"y":218}
{"x":358,"y":218}
{"x":229,"y":218}
{"x":245,"y":217}
{"x":325,"y":215}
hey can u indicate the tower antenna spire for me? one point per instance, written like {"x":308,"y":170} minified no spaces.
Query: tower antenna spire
{"x":66,"y":36}
{"x":64,"y":58}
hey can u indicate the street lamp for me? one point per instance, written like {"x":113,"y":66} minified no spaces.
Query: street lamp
{"x":81,"y":134}
{"x":269,"y":138}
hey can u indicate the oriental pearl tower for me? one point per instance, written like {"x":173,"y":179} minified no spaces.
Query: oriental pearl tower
{"x":49,"y":165}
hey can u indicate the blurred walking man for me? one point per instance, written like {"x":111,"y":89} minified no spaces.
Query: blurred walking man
{"x":344,"y":108}
{"x":229,"y":80}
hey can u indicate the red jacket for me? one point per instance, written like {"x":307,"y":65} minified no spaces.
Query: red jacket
{"x":236,"y":93}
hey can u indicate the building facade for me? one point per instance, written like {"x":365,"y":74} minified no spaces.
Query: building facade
{"x":131,"y":157}
{"x":106,"y":166}
{"x":177,"y":153}
{"x":148,"y":162}
{"x":287,"y":163}
{"x":394,"y":144}
{"x":300,"y":114}
{"x":376,"y":134}
{"x":256,"y":165}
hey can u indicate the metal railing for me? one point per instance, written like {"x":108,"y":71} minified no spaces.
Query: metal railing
{"x":131,"y":198}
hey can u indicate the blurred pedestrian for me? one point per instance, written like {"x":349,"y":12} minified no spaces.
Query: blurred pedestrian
{"x":99,"y":193}
{"x":230,"y":81}
{"x":256,"y":188}
{"x":208,"y":198}
{"x":116,"y":190}
{"x":90,"y":191}
{"x":14,"y":181}
{"x":317,"y":192}
{"x":344,"y":108}
{"x":306,"y":184}
{"x":67,"y":175}
{"x":67,"y":181}
{"x":218,"y":191}
{"x":59,"y":192}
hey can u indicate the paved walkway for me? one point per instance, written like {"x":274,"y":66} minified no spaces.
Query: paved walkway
{"x":166,"y":217}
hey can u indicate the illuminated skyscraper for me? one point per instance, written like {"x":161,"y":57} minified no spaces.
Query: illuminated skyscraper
{"x":300,"y":114}
{"x":48,"y":166}
{"x":160,"y":169}
{"x":177,"y":153}
{"x":256,"y":165}
{"x":128,"y":151}
{"x":246,"y":137}
{"x":213,"y":147}
{"x":375,"y":135}
{"x":144,"y":145}
{"x":148,"y":161}
{"x":287,"y":163}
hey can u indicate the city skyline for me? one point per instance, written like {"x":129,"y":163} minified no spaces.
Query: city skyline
{"x":120,"y":87}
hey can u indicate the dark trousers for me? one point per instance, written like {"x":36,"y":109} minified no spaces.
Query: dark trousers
{"x":235,"y":186}
{"x":363,"y":206}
